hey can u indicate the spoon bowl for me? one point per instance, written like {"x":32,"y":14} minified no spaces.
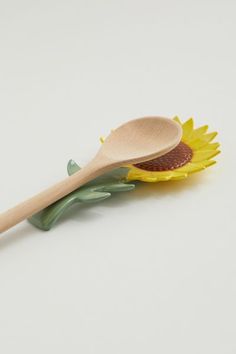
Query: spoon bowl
{"x":142,"y":139}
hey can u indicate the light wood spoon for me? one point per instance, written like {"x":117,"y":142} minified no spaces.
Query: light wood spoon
{"x":136,"y":141}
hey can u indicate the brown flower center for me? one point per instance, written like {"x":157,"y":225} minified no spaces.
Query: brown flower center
{"x":176,"y":158}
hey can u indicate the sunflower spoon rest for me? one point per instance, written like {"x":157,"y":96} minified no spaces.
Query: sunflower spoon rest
{"x":194,"y":153}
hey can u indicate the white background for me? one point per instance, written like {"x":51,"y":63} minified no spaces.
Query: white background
{"x":151,"y":271}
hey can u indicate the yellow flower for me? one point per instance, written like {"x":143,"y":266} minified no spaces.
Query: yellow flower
{"x":194,"y":153}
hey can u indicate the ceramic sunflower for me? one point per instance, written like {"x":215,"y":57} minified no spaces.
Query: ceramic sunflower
{"x":194,"y":153}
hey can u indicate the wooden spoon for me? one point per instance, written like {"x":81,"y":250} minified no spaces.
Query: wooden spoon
{"x":136,"y":141}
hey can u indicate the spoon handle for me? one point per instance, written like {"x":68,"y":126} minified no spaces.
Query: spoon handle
{"x":49,"y":196}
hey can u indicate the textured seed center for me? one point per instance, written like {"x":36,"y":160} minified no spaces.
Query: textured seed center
{"x":176,"y":158}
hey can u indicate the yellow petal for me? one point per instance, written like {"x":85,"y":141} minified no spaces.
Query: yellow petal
{"x":102,"y":139}
{"x":160,"y":176}
{"x":208,"y":147}
{"x":187,"y":129}
{"x":179,"y":176}
{"x":209,"y":137}
{"x":204,"y":155}
{"x":191,"y":167}
{"x":149,"y":176}
{"x":198,"y":143}
{"x":197,"y":133}
{"x":149,"y":179}
{"x":169,"y":175}
{"x":176,"y":119}
{"x":208,"y":163}
{"x":132,"y":176}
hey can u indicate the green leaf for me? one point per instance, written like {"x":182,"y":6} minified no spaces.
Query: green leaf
{"x":89,"y":196}
{"x":97,"y":190}
{"x":72,"y":167}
